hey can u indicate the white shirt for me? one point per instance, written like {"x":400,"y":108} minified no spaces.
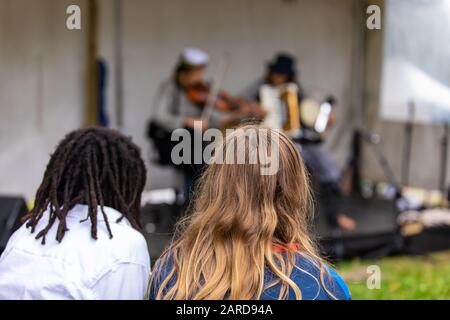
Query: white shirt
{"x":79,"y":267}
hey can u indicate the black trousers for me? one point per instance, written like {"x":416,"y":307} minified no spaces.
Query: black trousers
{"x":330,"y":197}
{"x":325,"y":172}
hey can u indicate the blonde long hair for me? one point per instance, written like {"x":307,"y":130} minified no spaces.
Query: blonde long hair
{"x":221,"y":249}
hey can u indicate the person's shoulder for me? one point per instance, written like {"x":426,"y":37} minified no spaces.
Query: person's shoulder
{"x":99,"y":257}
{"x":164,"y":264}
{"x":128,"y":241}
{"x":341,"y":289}
{"x":18,"y":239}
{"x":330,"y":283}
{"x":161,"y":270}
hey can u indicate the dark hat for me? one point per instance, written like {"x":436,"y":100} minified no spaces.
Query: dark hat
{"x":283,"y":63}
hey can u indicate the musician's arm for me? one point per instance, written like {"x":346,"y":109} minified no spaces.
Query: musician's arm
{"x":167,"y":113}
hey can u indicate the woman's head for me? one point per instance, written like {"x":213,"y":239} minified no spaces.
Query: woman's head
{"x":256,"y":187}
{"x":96,"y":167}
{"x":239,"y":214}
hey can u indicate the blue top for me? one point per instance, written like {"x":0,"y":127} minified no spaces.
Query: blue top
{"x":305,"y":274}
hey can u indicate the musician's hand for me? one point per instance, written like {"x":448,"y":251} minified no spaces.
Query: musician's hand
{"x":194,"y":123}
{"x":259,"y":111}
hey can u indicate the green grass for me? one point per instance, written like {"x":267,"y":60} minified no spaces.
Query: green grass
{"x":402,"y":278}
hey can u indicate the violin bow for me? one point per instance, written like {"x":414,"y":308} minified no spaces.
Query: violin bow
{"x":215,"y":85}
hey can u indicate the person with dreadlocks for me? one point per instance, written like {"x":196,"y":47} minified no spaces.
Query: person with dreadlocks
{"x":82,"y":239}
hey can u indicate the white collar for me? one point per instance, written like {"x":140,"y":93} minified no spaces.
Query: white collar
{"x":80,"y":211}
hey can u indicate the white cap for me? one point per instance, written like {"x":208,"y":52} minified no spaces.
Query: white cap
{"x":194,"y":57}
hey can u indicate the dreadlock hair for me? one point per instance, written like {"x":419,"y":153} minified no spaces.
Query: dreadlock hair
{"x":95,"y":167}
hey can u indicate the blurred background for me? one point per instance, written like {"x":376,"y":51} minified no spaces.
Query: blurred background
{"x":392,"y":85}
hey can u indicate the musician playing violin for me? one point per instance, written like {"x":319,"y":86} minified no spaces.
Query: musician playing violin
{"x":181,"y":101}
{"x":173,"y":109}
{"x":281,"y":74}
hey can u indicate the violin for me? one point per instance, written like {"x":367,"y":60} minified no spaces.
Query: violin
{"x":199,"y":93}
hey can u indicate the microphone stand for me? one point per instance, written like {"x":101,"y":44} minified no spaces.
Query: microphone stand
{"x":444,"y":157}
{"x":373,"y":140}
{"x":406,"y":162}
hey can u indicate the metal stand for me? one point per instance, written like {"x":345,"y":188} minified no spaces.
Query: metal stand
{"x":406,"y":162}
{"x":373,"y":140}
{"x":444,"y":158}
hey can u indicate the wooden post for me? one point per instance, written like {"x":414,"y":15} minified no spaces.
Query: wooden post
{"x":91,"y":65}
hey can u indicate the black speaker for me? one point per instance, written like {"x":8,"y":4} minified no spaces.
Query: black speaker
{"x":158,"y":221}
{"x":12,"y":209}
{"x":376,"y":234}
